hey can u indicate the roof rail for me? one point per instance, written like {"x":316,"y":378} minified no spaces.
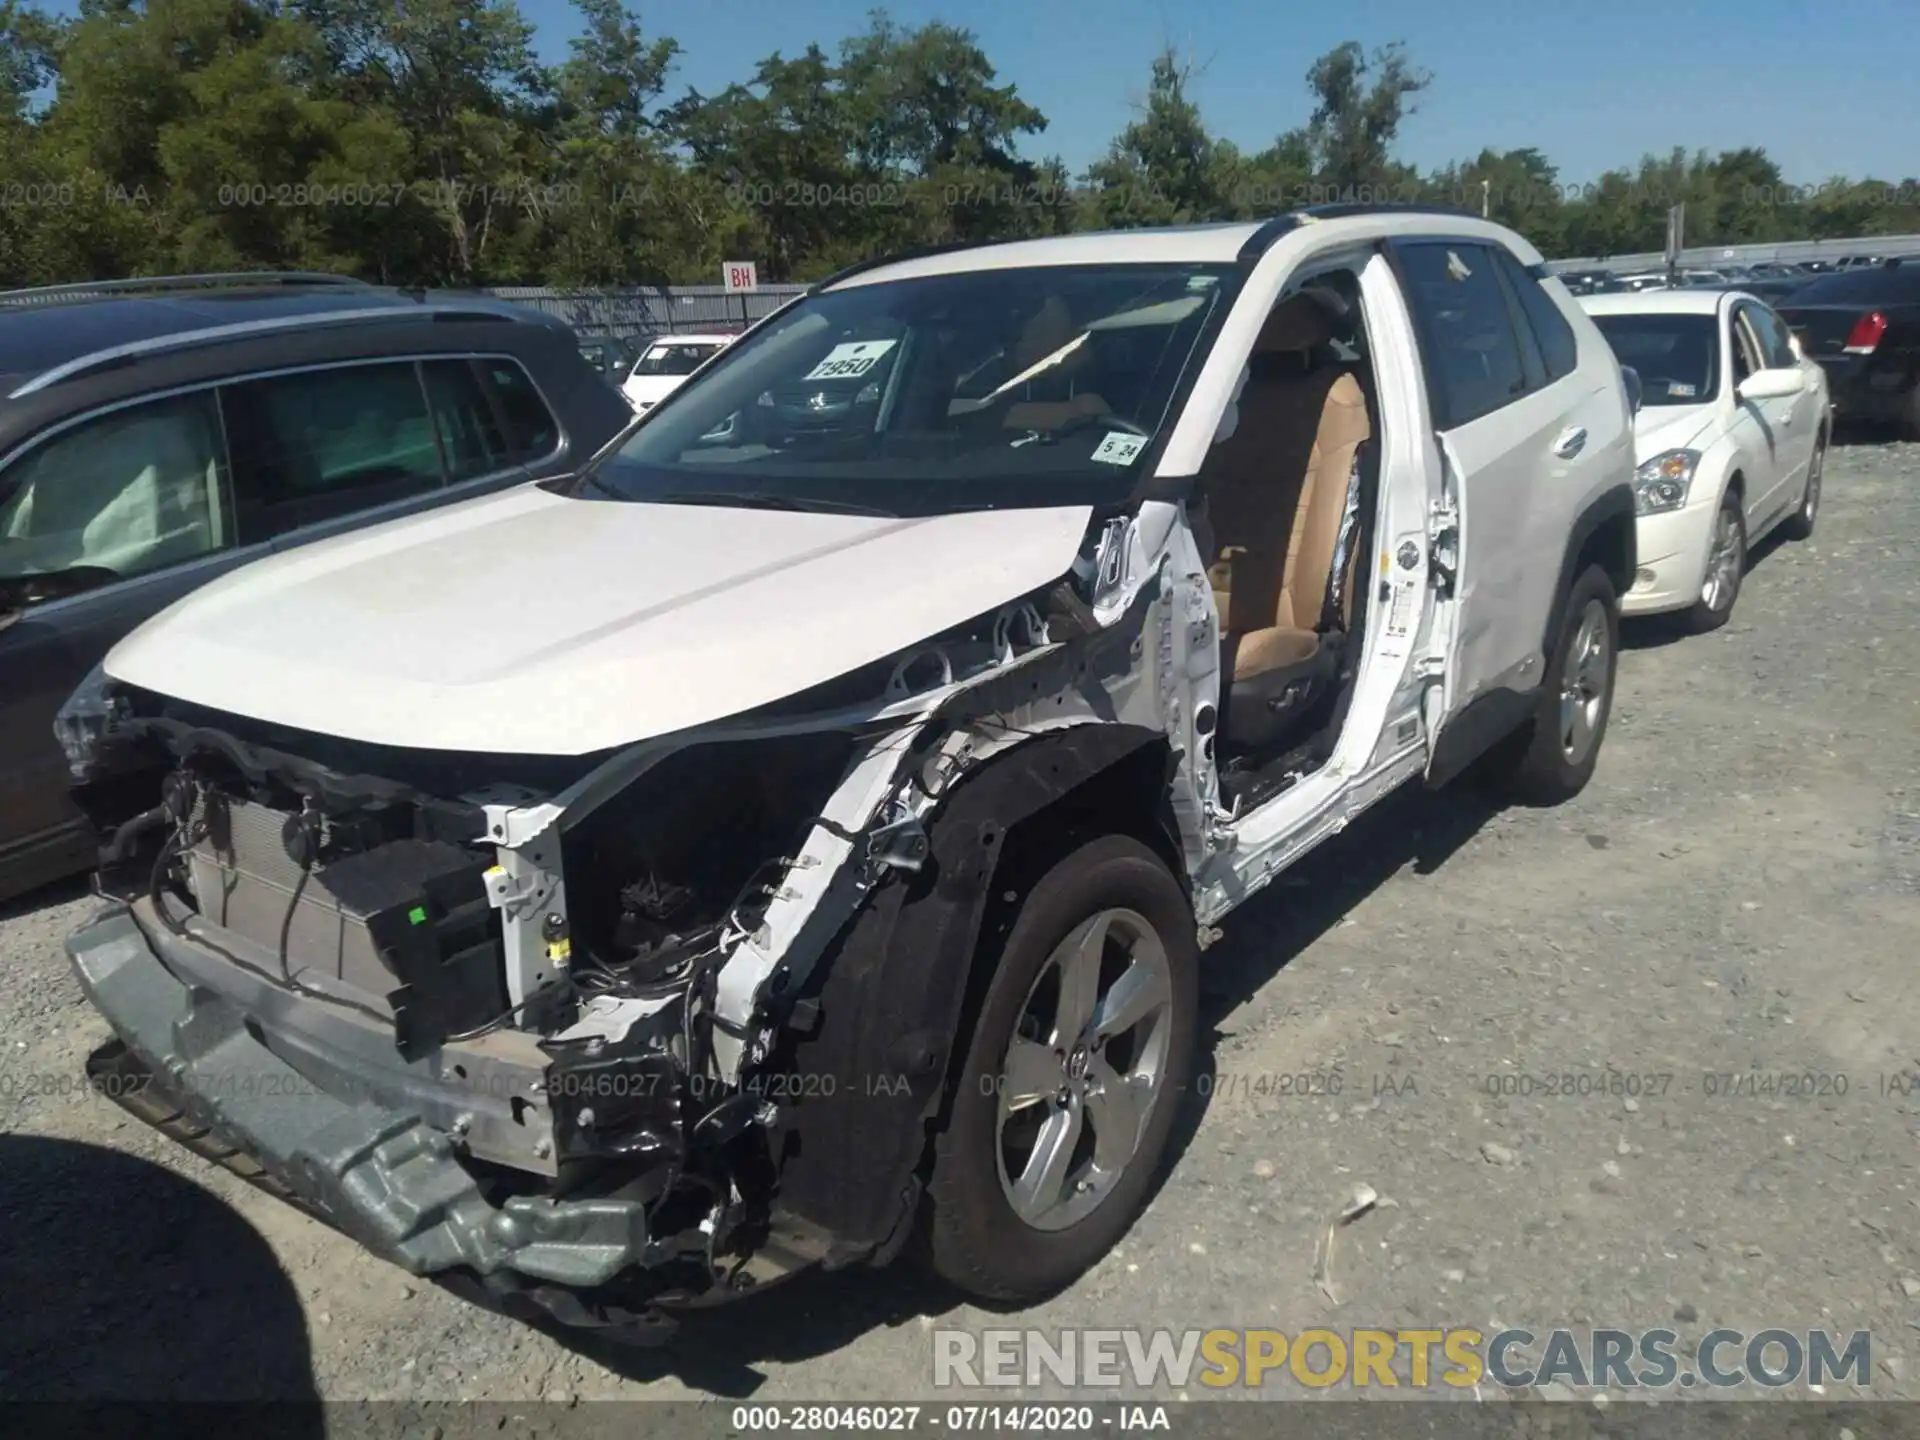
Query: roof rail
{"x":163,"y":284}
{"x":1258,"y":243}
{"x":1387,"y":207}
{"x":137,"y":350}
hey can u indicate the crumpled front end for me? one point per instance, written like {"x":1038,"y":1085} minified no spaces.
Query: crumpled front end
{"x":612,"y":1037}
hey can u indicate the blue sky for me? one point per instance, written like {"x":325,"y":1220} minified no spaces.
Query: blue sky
{"x":1825,"y":86}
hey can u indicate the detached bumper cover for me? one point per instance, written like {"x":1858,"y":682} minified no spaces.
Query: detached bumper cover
{"x":382,"y":1176}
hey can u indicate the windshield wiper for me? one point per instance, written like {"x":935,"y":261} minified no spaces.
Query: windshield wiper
{"x":590,"y":479}
{"x":760,"y":500}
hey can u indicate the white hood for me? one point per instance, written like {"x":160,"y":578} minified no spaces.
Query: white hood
{"x":1657,"y":428}
{"x":528,"y":623}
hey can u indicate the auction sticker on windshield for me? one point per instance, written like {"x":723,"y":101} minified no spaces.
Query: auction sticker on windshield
{"x":1119,"y":448}
{"x":851,"y":360}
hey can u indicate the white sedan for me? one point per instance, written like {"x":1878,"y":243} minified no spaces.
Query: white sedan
{"x":1730,"y":438}
{"x":667,"y":362}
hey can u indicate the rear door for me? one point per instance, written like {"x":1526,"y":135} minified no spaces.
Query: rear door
{"x":1798,"y":415}
{"x":1505,"y":405}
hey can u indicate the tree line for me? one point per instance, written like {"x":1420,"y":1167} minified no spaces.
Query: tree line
{"x":425,"y":144}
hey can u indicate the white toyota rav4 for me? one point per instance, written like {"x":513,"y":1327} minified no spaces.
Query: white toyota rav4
{"x":801,"y":830}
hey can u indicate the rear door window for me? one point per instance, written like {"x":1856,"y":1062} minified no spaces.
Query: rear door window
{"x":1474,"y":363}
{"x":319,"y":444}
{"x":472,"y":435}
{"x":1551,"y":332}
{"x":1771,"y":331}
{"x":124,"y":493}
{"x":532,"y":433}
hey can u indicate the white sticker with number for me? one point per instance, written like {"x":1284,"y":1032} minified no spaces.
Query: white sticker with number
{"x":1400,"y":617}
{"x":1119,"y":448}
{"x":850,"y":361}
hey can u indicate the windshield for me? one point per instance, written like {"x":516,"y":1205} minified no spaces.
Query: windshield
{"x":1881,"y":284}
{"x":1676,"y":356}
{"x":1039,"y":386}
{"x":674,"y":358}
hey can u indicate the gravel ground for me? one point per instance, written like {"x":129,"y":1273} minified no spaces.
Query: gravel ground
{"x":1738,"y":891}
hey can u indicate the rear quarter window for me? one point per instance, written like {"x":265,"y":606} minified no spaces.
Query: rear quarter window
{"x":532,"y":431}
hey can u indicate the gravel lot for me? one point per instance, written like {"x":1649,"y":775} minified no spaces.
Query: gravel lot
{"x":1738,"y":891}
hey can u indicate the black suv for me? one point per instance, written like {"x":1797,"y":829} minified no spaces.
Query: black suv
{"x":155,"y":433}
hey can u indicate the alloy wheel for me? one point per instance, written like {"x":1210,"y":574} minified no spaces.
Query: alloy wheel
{"x":1810,"y":503}
{"x":1583,"y":683}
{"x":1724,"y":561}
{"x":1083,"y":1072}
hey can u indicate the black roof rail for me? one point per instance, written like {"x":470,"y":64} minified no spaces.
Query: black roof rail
{"x":1258,"y":243}
{"x":166,"y":284}
{"x":137,"y":350}
{"x":1388,"y":207}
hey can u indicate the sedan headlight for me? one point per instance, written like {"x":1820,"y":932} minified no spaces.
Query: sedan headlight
{"x":83,"y":723}
{"x":1662,"y":482}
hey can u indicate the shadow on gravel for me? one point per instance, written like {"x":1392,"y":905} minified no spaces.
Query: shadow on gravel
{"x":720,"y":1351}
{"x":1413,"y":826}
{"x":45,"y":897}
{"x":813,"y":1315}
{"x":126,"y":1282}
{"x":1655,"y":632}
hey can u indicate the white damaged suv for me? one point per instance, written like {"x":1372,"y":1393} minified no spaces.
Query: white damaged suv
{"x":801,"y":830}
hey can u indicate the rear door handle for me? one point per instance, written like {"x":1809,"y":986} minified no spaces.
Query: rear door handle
{"x":1570,"y":443}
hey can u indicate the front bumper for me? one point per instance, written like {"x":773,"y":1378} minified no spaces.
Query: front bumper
{"x":341,"y":1138}
{"x":1672,"y":549}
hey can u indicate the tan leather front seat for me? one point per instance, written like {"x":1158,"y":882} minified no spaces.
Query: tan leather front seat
{"x":1282,"y":488}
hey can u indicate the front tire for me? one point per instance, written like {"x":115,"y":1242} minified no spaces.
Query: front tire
{"x":1551,"y":758}
{"x":1069,"y":1092}
{"x":1726,"y":568}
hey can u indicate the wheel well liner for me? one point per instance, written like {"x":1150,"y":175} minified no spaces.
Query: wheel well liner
{"x":1603,"y":535}
{"x":877,"y":1035}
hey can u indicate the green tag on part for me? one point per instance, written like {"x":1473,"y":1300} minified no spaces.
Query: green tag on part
{"x":418,"y":915}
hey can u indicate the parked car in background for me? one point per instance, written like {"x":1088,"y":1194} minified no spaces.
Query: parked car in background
{"x":1730,"y":439}
{"x":1863,"y":326}
{"x":664,"y":363}
{"x":156,"y":433}
{"x":776,"y":849}
{"x":612,"y":356}
{"x":1587,"y":282}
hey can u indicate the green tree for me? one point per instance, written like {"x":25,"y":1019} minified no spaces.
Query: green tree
{"x":1165,"y":168}
{"x":632,"y":215}
{"x":1360,"y":103}
{"x":459,"y":80}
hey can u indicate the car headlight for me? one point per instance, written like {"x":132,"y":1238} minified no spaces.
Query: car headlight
{"x":89,"y":715}
{"x":1661,"y":483}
